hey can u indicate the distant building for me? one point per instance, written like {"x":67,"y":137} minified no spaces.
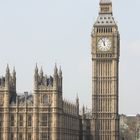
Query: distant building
{"x":130,"y":127}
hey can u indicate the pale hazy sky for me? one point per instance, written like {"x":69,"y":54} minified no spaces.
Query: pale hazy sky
{"x":49,"y":31}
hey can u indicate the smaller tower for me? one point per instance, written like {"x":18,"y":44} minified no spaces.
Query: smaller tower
{"x":83,"y":124}
{"x":14,"y":76}
{"x":8,"y":90}
{"x":60,"y":79}
{"x":35,"y":109}
{"x":14,"y":81}
{"x":77,"y":104}
{"x":41,"y":74}
{"x":6,"y":104}
{"x":55,"y":78}
{"x":7,"y":77}
{"x":36,"y":77}
{"x":48,"y":93}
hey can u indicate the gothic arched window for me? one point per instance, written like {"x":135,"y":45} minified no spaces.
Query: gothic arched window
{"x":29,"y":120}
{"x":46,"y":100}
{"x":12,"y":120}
{"x":20,"y":120}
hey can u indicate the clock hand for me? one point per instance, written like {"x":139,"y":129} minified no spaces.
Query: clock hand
{"x":103,"y":41}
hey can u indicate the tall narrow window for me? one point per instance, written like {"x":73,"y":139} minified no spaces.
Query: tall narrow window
{"x":20,"y":136}
{"x":1,"y":120}
{"x":44,"y":120}
{"x":29,"y":136}
{"x":21,"y":120}
{"x":29,"y":120}
{"x":46,"y":100}
{"x":12,"y":136}
{"x":44,"y":136}
{"x":12,"y":120}
{"x":1,"y":136}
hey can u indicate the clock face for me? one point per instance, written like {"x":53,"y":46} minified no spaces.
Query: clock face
{"x":104,"y":44}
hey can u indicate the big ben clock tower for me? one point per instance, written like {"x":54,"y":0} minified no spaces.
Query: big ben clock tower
{"x":105,"y":70}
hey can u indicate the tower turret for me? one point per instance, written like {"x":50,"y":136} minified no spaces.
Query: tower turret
{"x":9,"y":91}
{"x":41,"y":74}
{"x":55,"y":71}
{"x":60,"y":79}
{"x":36,"y":100}
{"x":14,"y":73}
{"x":83,"y":111}
{"x":7,"y":77}
{"x":36,"y":77}
{"x":77,"y":104}
{"x":60,"y":72}
{"x":55,"y":77}
{"x":83,"y":124}
{"x":14,"y":77}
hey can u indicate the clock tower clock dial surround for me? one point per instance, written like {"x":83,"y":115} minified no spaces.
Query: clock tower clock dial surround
{"x":104,"y":44}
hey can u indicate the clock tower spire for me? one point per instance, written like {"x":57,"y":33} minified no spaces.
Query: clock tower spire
{"x":105,"y":79}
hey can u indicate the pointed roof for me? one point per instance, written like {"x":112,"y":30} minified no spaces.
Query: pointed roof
{"x":105,"y":17}
{"x":105,"y":20}
{"x":41,"y":71}
{"x":60,"y":71}
{"x":14,"y":72}
{"x":55,"y":69}
{"x":105,"y":1}
{"x":7,"y":69}
{"x":36,"y":68}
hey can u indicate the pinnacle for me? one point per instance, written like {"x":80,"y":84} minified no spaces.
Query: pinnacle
{"x":55,"y":69}
{"x":7,"y":69}
{"x":36,"y":68}
{"x":41,"y":70}
{"x":77,"y":97}
{"x":60,"y":71}
{"x":14,"y":71}
{"x":83,"y":109}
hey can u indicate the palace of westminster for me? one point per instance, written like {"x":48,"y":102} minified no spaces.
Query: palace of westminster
{"x":44,"y":115}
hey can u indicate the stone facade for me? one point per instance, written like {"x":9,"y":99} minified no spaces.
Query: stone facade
{"x":43,"y":115}
{"x":105,"y":63}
